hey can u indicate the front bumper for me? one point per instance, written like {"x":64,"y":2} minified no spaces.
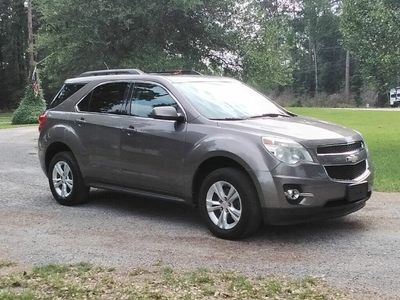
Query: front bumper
{"x":327,"y":198}
{"x":287,"y":216}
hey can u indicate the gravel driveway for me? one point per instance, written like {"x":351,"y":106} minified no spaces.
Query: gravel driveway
{"x":358,"y":252}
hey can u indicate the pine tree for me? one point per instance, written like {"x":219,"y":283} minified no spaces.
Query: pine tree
{"x":31,"y":106}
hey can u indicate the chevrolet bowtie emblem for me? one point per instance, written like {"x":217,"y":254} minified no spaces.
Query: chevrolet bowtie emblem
{"x":352,"y":158}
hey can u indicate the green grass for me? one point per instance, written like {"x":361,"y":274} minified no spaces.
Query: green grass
{"x":85,"y":281}
{"x":381,"y":131}
{"x":5,"y":121}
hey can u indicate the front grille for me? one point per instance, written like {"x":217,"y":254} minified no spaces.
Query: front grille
{"x":347,"y":172}
{"x":344,"y":148}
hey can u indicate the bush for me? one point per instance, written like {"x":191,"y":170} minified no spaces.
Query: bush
{"x":30,"y":108}
{"x":368,"y":96}
{"x":321,"y":100}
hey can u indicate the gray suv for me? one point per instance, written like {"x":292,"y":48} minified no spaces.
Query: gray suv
{"x":212,"y":142}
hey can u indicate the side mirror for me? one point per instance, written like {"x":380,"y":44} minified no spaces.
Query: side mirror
{"x":166,"y":113}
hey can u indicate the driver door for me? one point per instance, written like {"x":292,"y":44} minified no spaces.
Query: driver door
{"x":152,"y":150}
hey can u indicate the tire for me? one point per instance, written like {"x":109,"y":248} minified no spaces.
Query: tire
{"x":65,"y":180}
{"x":229,"y":205}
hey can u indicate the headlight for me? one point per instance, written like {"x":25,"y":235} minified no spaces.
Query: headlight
{"x":286,"y":150}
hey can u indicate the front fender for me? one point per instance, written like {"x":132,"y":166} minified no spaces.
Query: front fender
{"x":245,"y":150}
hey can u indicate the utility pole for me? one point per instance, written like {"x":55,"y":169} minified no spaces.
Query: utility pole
{"x":28,"y":5}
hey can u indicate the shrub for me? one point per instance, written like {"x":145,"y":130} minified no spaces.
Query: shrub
{"x":286,"y":99}
{"x":321,"y":100}
{"x":30,"y":107}
{"x":368,"y":96}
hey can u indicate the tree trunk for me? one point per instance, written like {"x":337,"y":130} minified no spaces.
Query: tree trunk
{"x":347,"y":88}
{"x":316,"y":69}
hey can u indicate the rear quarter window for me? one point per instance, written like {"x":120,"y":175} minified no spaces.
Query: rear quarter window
{"x":66,"y":91}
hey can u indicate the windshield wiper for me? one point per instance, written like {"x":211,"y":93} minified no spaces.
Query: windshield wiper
{"x":229,"y":119}
{"x":271,"y":115}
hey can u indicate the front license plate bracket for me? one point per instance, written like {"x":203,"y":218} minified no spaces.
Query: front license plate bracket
{"x":357,"y":191}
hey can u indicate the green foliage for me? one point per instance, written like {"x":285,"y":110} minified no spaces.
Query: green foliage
{"x":371,"y":30}
{"x":282,"y":46}
{"x":318,"y":57}
{"x":151,"y":36}
{"x":212,"y":36}
{"x":13,"y":44}
{"x":265,"y":53}
{"x":30,"y":107}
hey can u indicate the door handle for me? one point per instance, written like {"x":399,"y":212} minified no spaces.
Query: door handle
{"x":129,"y":130}
{"x":80,"y":121}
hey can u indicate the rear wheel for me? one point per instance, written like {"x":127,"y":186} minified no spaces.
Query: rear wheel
{"x":229,"y":204}
{"x":65,"y":180}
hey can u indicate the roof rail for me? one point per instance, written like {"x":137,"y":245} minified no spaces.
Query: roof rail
{"x":111,"y":72}
{"x":177,"y":72}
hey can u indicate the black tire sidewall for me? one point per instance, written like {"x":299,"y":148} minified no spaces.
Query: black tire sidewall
{"x":249,"y":199}
{"x":79,"y":191}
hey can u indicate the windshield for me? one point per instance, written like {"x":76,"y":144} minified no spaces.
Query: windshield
{"x":228,"y":100}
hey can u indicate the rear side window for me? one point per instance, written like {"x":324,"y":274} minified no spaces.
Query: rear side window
{"x":66,"y":91}
{"x":106,"y":98}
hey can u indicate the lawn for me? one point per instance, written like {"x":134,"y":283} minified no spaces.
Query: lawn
{"x":5,"y":121}
{"x":381,"y":131}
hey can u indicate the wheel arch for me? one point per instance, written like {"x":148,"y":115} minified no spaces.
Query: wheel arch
{"x":52,"y":150}
{"x":217,"y":162}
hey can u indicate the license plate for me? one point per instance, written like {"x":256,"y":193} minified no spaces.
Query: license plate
{"x":357,"y":191}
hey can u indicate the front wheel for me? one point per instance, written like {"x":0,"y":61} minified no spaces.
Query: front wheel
{"x":65,"y":180}
{"x":229,"y":204}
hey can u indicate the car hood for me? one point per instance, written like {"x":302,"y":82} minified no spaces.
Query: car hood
{"x":307,"y":131}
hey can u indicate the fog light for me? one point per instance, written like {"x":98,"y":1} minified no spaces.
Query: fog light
{"x":296,"y":196}
{"x":292,"y":194}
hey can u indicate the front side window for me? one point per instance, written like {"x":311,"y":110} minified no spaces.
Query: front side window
{"x":146,"y":96}
{"x":106,"y":98}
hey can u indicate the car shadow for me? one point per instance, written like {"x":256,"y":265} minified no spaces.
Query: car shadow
{"x":313,"y":232}
{"x":180,"y":213}
{"x":143,"y":207}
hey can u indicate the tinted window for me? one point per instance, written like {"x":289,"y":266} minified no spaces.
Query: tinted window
{"x":66,"y":91}
{"x":146,"y":96}
{"x":107,"y":98}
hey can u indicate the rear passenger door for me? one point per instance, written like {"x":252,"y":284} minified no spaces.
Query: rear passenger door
{"x":152,"y":151}
{"x":97,"y":123}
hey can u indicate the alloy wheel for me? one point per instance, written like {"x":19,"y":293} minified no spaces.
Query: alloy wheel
{"x":224,"y":205}
{"x":62,"y":179}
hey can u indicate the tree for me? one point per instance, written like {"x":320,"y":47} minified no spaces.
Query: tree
{"x":371,"y":31}
{"x":32,"y":105}
{"x":13,"y":44}
{"x":318,"y":56}
{"x":264,"y":51}
{"x":156,"y":35}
